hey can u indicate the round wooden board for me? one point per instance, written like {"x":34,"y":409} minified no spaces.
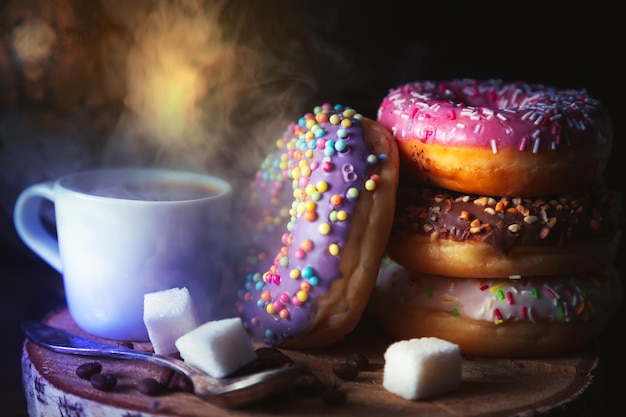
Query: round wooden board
{"x":489,"y":387}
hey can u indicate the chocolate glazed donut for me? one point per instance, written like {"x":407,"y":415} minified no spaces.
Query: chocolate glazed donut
{"x":443,"y":232}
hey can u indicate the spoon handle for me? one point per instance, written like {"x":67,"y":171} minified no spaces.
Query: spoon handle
{"x":61,"y":341}
{"x":226,"y":392}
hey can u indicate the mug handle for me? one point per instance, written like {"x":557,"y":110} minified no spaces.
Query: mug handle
{"x":29,"y":223}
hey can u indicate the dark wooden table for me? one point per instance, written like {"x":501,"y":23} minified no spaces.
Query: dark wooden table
{"x":32,"y":290}
{"x":564,"y":385}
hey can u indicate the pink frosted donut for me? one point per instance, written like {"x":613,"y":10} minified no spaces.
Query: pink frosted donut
{"x":498,"y":138}
{"x":498,"y":317}
{"x":329,"y":190}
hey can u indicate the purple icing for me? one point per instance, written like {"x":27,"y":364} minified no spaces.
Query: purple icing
{"x":281,"y":292}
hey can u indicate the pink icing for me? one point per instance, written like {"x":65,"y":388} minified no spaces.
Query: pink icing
{"x":565,"y":298}
{"x":495,"y":114}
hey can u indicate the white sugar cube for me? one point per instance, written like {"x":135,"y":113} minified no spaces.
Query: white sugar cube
{"x":422,"y":368}
{"x":168,"y":315}
{"x":218,"y":347}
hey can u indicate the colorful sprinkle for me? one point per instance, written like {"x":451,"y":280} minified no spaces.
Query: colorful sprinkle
{"x":311,"y":183}
{"x":569,"y":296}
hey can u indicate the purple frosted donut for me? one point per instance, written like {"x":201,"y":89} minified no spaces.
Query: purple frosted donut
{"x":318,"y":217}
{"x":498,"y":138}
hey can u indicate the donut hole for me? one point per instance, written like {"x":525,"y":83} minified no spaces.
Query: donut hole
{"x":507,"y":98}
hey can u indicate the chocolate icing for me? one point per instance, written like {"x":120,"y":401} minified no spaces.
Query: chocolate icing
{"x":506,"y":222}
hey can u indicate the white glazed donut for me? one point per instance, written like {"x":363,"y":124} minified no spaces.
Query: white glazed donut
{"x":497,"y":317}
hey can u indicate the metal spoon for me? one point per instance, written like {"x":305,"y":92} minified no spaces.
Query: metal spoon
{"x":225,"y":392}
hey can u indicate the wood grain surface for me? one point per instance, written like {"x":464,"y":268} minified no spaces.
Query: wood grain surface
{"x":490,"y":387}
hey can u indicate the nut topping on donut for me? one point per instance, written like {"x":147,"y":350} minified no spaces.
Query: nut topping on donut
{"x":443,"y":232}
{"x":506,"y":222}
{"x":331,"y":185}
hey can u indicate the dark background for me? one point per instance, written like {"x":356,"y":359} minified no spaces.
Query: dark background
{"x":354,"y":54}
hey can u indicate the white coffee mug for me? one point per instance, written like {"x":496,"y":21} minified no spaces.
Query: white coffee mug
{"x":122,"y":233}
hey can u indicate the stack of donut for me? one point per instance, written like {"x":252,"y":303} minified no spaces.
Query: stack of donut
{"x":504,"y":232}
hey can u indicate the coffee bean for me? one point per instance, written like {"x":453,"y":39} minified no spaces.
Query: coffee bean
{"x":86,"y":370}
{"x":103,"y":382}
{"x":273,"y":357}
{"x":167,"y":378}
{"x":174,"y":381}
{"x":151,"y":387}
{"x":334,"y":397}
{"x":267,"y":358}
{"x":253,"y":367}
{"x":360,"y":360}
{"x":346,"y":371}
{"x":308,"y":384}
{"x":184,"y":384}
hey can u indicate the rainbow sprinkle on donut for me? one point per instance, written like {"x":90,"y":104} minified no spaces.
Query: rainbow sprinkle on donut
{"x":564,"y":299}
{"x":302,"y":201}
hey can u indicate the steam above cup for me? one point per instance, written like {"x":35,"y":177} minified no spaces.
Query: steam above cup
{"x":122,"y":233}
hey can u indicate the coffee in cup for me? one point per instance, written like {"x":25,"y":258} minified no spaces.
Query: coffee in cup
{"x":122,"y":233}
